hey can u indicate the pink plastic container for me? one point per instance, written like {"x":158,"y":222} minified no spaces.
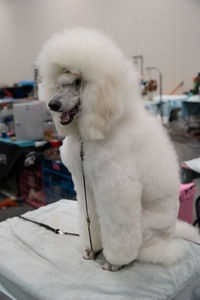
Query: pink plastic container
{"x":187,"y":193}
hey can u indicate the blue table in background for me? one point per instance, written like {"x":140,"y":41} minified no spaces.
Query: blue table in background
{"x":169,"y":103}
{"x":18,"y":143}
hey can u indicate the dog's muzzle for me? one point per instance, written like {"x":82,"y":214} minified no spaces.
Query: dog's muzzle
{"x":59,"y":104}
{"x":66,"y":117}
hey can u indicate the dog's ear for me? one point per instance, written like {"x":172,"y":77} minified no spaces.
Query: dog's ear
{"x":101,"y":107}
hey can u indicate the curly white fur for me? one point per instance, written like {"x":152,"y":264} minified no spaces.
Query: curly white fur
{"x":130,"y":164}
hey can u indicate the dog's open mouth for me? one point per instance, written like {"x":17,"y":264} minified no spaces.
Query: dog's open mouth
{"x":68,"y":116}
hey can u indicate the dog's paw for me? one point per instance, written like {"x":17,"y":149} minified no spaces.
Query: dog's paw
{"x":88,"y":254}
{"x":113,"y":268}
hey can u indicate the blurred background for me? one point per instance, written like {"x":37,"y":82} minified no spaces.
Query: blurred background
{"x":162,"y":39}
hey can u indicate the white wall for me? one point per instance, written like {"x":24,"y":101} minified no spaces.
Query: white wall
{"x":9,"y":42}
{"x":165,"y":32}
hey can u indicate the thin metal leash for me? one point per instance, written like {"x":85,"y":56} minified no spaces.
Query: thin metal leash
{"x":86,"y":202}
{"x":55,"y":230}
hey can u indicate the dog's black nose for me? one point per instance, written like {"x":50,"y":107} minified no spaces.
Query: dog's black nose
{"x":55,"y":105}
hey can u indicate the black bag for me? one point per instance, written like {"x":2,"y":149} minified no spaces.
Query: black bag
{"x":13,"y":158}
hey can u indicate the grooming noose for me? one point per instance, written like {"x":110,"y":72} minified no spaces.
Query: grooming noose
{"x":86,"y":201}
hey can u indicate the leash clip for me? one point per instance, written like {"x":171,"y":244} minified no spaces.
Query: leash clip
{"x":58,"y":231}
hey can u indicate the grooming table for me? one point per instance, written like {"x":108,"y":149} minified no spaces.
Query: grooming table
{"x":169,"y":103}
{"x":36,"y":263}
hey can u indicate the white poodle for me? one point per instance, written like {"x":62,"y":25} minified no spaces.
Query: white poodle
{"x":130,"y":165}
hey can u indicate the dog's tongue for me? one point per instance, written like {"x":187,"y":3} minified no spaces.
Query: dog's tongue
{"x":65,"y":117}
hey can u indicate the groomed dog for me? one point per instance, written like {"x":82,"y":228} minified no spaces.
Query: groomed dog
{"x":130,"y":165}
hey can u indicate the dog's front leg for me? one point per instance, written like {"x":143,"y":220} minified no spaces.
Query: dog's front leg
{"x":119,"y":209}
{"x":94,"y":223}
{"x":70,"y":154}
{"x":108,"y":267}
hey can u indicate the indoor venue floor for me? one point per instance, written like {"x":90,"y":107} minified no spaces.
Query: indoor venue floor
{"x":12,"y":211}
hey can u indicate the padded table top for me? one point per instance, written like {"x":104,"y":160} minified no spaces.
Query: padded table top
{"x":37,"y":264}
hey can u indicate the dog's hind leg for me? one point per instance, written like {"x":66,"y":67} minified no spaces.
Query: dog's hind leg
{"x":159,"y":247}
{"x":164,"y":252}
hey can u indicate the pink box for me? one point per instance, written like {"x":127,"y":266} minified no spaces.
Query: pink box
{"x":187,"y":193}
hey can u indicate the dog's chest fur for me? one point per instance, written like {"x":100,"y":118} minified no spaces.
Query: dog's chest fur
{"x":94,"y":160}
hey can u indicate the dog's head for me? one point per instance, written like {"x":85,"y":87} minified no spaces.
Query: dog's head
{"x":66,"y":100}
{"x":83,"y":79}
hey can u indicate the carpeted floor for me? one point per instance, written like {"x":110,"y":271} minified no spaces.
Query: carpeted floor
{"x":11,"y":211}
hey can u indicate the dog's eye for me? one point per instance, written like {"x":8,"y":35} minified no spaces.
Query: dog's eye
{"x":77,"y":82}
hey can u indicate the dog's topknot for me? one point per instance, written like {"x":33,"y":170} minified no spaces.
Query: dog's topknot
{"x":86,"y":51}
{"x":108,"y":75}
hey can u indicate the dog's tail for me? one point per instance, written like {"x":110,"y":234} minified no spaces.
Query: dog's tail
{"x":186,"y":231}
